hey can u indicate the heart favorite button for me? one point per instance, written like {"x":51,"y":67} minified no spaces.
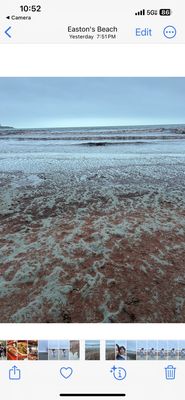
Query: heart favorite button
{"x":66,"y":372}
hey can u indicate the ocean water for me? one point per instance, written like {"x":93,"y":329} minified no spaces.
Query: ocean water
{"x":46,"y":150}
{"x":110,"y":344}
{"x":64,"y":140}
{"x":92,"y":344}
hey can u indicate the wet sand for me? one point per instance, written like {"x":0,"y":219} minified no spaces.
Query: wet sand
{"x":92,"y":354}
{"x":110,"y":354}
{"x":92,"y":233}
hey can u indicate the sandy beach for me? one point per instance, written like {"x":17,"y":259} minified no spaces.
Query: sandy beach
{"x":92,"y":225}
{"x":92,"y":350}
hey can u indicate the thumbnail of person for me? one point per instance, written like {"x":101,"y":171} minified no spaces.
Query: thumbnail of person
{"x":141,"y":350}
{"x":120,"y":352}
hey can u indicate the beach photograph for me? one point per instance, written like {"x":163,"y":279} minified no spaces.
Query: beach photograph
{"x":53,"y":350}
{"x":141,"y":350}
{"x":121,"y":350}
{"x":43,"y":350}
{"x":182,"y":350}
{"x":162,"y":350}
{"x":110,"y":353}
{"x":92,"y":200}
{"x":152,"y":350}
{"x":131,"y":350}
{"x":92,"y":350}
{"x":173,"y":351}
{"x":64,"y":346}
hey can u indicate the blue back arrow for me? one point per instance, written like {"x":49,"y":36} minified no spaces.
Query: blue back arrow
{"x":7,"y":31}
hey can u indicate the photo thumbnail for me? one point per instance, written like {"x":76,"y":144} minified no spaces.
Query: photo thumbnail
{"x":152,"y":351}
{"x":3,"y":350}
{"x":12,"y":350}
{"x":32,"y":350}
{"x":92,"y":350}
{"x":142,"y":347}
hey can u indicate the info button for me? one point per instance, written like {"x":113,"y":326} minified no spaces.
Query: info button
{"x":143,"y":32}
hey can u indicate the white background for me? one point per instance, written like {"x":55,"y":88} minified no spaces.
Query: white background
{"x":92,"y":331}
{"x":92,"y":60}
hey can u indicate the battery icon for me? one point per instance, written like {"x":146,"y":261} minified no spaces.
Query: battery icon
{"x":165,"y":12}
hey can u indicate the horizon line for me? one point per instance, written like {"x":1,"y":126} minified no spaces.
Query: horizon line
{"x":94,"y":126}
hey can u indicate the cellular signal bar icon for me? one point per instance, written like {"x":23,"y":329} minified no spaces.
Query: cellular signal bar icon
{"x":141,"y":12}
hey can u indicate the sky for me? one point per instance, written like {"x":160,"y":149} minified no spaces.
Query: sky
{"x":43,"y":345}
{"x":131,"y":345}
{"x":53,"y":344}
{"x":162,"y":344}
{"x":70,"y":102}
